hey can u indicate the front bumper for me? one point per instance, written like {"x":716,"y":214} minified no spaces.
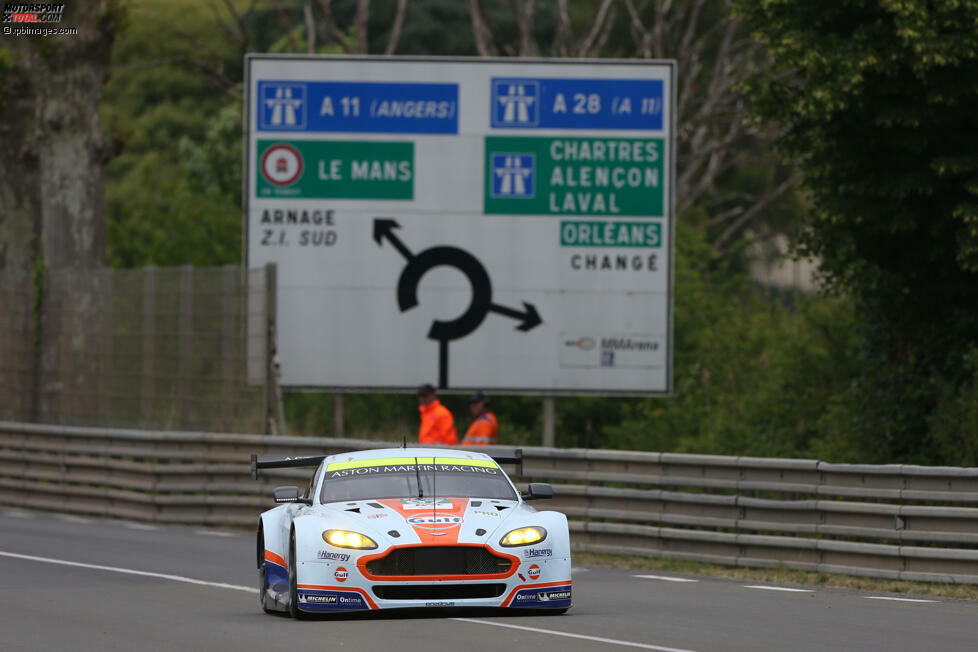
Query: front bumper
{"x":325,"y":587}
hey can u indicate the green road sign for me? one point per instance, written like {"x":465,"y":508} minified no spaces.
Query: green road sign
{"x":574,"y":176}
{"x":334,"y":169}
{"x":605,"y":233}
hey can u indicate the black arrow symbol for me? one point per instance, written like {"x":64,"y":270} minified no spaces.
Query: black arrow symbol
{"x":530,"y":317}
{"x":384,"y":228}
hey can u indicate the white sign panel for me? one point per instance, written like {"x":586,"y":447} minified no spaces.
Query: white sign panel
{"x":475,"y":223}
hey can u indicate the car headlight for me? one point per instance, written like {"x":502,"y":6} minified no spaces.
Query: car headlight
{"x":523,"y":536}
{"x":347,"y":539}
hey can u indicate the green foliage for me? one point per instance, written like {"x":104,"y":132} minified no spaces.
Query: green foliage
{"x":876,"y":102}
{"x":753,"y":370}
{"x":173,"y":190}
{"x":953,"y":423}
{"x":183,"y":212}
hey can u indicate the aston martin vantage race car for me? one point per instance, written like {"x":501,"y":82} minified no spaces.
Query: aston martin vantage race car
{"x":397,"y":527}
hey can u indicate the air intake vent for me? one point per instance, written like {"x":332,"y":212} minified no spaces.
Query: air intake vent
{"x":440,"y":560}
{"x":439,"y":591}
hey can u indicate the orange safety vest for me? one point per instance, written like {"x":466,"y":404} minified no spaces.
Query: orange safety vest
{"x":437,"y":425}
{"x":484,"y":431}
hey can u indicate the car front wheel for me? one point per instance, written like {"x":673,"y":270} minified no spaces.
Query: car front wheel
{"x":293,"y":582}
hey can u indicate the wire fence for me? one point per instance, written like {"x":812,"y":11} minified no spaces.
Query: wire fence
{"x":151,"y":348}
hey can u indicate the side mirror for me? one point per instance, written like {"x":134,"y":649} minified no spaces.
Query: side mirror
{"x":538,"y":490}
{"x":289,"y":495}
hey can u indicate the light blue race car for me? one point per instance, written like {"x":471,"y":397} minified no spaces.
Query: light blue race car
{"x":399,"y":528}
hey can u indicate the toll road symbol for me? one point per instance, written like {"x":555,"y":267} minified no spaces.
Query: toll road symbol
{"x":479,"y":307}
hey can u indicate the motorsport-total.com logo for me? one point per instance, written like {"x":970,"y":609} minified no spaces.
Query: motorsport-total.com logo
{"x":33,"y":12}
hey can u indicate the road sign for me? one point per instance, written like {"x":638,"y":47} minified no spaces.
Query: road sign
{"x":496,"y":224}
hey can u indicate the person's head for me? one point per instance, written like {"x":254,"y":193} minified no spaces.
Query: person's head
{"x":426,"y":394}
{"x":478,"y":403}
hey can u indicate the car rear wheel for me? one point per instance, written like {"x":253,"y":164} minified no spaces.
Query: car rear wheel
{"x":293,"y":582}
{"x":262,"y":578}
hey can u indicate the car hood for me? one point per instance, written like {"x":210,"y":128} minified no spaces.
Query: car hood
{"x":444,"y":521}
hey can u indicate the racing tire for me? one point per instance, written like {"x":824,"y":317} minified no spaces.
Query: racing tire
{"x":293,"y":582}
{"x":262,"y":580}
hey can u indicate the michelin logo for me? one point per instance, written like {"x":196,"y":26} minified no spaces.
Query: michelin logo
{"x":282,"y":106}
{"x":317,"y":599}
{"x":516,"y":103}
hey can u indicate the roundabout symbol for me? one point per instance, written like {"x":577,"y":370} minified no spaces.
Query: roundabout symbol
{"x":479,"y":307}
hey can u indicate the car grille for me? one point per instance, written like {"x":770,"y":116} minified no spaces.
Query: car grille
{"x":439,"y":591}
{"x":441,"y":560}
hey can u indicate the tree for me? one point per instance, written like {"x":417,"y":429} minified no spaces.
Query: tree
{"x":51,"y":176}
{"x":876,"y":102}
{"x":52,"y":182}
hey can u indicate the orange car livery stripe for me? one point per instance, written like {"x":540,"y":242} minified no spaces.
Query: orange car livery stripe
{"x":439,"y":525}
{"x":275,"y":559}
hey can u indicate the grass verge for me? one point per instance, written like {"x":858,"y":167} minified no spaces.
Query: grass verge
{"x":779,"y":575}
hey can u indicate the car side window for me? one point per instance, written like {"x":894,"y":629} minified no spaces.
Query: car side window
{"x":315,"y":480}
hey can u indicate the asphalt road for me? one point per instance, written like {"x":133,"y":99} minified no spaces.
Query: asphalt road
{"x":85,"y":584}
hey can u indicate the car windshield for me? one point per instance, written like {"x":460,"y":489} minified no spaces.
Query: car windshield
{"x":398,"y":478}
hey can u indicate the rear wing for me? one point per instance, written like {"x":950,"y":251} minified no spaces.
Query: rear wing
{"x":516,"y":458}
{"x":291,"y":462}
{"x":280,"y":462}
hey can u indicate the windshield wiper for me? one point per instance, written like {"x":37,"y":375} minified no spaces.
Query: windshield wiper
{"x":418,"y":473}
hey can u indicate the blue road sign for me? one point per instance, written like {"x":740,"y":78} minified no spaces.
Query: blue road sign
{"x":622,"y":104}
{"x":513,"y":175}
{"x":376,"y":107}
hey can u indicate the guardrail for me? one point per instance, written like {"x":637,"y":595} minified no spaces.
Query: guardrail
{"x":891,"y":521}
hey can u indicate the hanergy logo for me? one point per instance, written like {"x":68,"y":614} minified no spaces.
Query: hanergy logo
{"x":435,"y":522}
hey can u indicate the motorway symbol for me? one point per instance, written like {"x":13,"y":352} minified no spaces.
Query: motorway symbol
{"x":283,"y":106}
{"x":480,"y":305}
{"x":516,"y":103}
{"x":512,"y":175}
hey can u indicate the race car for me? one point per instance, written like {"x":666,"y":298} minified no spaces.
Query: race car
{"x":410,"y":528}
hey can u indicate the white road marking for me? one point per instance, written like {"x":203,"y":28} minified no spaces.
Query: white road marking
{"x":215,"y":533}
{"x":778,"y":588}
{"x":250,"y":589}
{"x":139,"y":526}
{"x":71,"y":518}
{"x":129,"y":571}
{"x":16,"y":514}
{"x":883,"y":597}
{"x":553,"y":632}
{"x":665,"y":578}
{"x":578,"y":569}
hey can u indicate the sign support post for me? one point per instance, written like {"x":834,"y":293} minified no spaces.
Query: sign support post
{"x":549,"y":421}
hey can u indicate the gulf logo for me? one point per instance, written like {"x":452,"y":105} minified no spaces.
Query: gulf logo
{"x":533,"y":572}
{"x":340,"y":574}
{"x":435,"y":522}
